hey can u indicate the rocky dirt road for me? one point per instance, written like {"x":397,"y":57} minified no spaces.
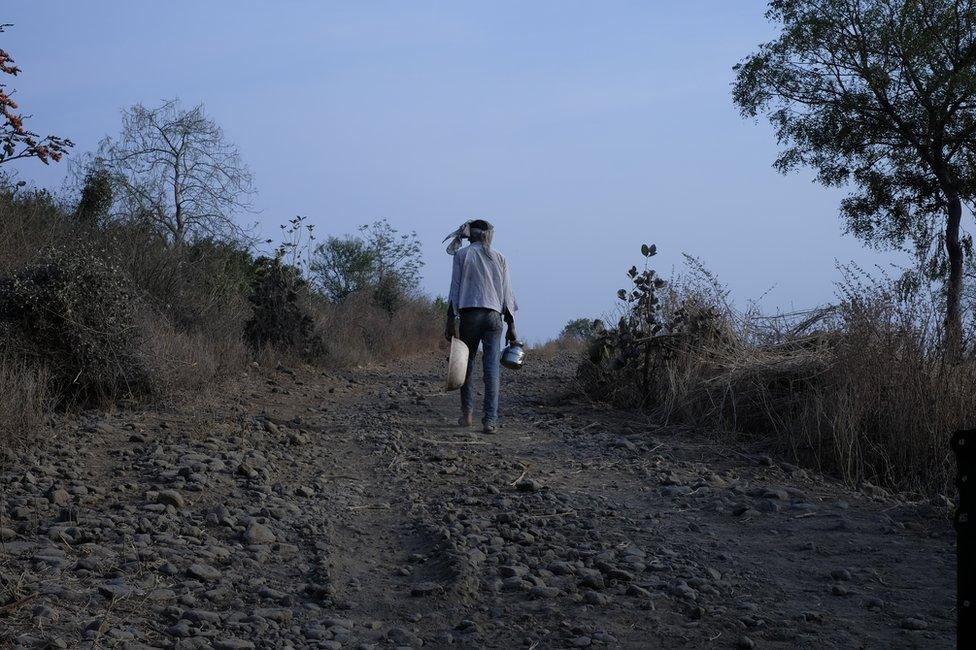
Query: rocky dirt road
{"x":342,"y":510}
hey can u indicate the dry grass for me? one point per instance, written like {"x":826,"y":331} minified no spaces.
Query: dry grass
{"x":860,"y":389}
{"x":559,"y":344}
{"x":357,"y":331}
{"x":29,"y":223}
{"x":24,"y":399}
{"x":181,"y":360}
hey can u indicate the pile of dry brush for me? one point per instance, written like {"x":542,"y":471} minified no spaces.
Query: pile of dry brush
{"x":860,"y":388}
{"x":91,"y":313}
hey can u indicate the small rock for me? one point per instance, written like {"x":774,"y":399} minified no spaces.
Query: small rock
{"x":840,"y":574}
{"x":203,"y":572}
{"x":59,"y":497}
{"x":43,"y":611}
{"x":233,"y":644}
{"x":595,"y":598}
{"x":258,"y":534}
{"x":113,"y":591}
{"x":513,"y":570}
{"x":181,"y":630}
{"x":914,"y":624}
{"x":426,"y":589}
{"x":171,"y":498}
{"x":528,"y":485}
{"x":402,"y":637}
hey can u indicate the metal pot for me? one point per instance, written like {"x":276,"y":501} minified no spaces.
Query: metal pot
{"x":513,"y":356}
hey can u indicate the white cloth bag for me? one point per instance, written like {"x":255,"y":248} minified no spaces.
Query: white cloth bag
{"x":457,"y":365}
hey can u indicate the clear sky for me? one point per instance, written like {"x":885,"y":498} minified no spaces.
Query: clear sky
{"x":580,"y":129}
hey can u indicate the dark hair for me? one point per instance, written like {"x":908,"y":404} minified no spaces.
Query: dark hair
{"x":480,"y":224}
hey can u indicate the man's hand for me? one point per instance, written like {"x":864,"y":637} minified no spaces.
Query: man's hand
{"x":511,"y":336}
{"x":450,"y":328}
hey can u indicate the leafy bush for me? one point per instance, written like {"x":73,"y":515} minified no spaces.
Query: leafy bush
{"x":73,"y":313}
{"x":630,"y":354}
{"x":281,"y":318}
{"x":581,"y":329}
{"x":97,"y":196}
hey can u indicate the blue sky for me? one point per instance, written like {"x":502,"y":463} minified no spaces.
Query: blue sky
{"x":580,"y":129}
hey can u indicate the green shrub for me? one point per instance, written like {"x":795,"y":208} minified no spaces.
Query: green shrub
{"x":281,"y":318}
{"x":96,"y":196}
{"x":72,"y":312}
{"x":581,"y":329}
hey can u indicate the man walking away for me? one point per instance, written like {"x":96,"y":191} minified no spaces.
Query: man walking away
{"x":481,"y":297}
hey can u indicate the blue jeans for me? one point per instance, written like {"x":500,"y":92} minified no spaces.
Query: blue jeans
{"x":482,"y":326}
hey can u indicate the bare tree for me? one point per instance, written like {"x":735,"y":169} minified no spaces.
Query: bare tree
{"x":174,"y":167}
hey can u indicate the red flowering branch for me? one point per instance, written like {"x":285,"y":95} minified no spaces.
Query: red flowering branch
{"x":16,"y":141}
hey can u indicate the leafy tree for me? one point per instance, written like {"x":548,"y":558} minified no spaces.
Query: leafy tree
{"x":879,"y":96}
{"x":174,"y":167}
{"x":16,"y":141}
{"x":580,"y":329}
{"x":96,"y":195}
{"x":380,"y":260}
{"x":343,"y":266}
{"x":397,"y":262}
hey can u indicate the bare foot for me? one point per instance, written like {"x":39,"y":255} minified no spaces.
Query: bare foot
{"x":466,"y":420}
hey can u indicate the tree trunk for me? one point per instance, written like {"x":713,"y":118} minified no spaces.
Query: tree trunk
{"x":178,"y":204}
{"x":953,"y":315}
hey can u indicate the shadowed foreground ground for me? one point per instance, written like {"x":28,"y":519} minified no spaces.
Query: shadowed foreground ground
{"x":342,"y":510}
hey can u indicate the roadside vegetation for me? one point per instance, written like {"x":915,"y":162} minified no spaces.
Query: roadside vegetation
{"x":140,"y":281}
{"x":863,"y":388}
{"x":144,"y":277}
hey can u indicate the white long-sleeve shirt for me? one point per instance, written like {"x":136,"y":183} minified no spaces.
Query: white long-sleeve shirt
{"x":480,"y":279}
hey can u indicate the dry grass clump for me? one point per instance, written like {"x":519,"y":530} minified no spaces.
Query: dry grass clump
{"x":860,"y":389}
{"x":30,"y":221}
{"x":559,"y":344}
{"x":180,"y":360}
{"x":24,"y":397}
{"x":357,"y":330}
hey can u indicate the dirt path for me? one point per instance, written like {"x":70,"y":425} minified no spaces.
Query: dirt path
{"x":342,"y":510}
